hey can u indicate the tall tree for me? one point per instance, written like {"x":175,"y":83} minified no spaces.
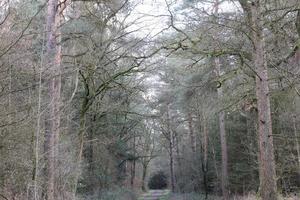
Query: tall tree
{"x":268,"y":185}
{"x":170,"y":136}
{"x":221,"y":117}
{"x":52,"y":125}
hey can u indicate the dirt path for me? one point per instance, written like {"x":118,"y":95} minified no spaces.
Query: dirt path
{"x":155,"y":195}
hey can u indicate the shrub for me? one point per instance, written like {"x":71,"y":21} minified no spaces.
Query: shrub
{"x":158,"y":181}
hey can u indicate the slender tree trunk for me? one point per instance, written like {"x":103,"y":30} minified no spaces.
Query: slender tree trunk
{"x":295,"y":116}
{"x":132,"y":174}
{"x":82,"y":130}
{"x":179,"y":168}
{"x":192,"y":134}
{"x":221,"y":116}
{"x":57,"y":80}
{"x":38,"y":128}
{"x":298,"y":31}
{"x":268,"y":186}
{"x":205,"y":143}
{"x":215,"y":163}
{"x":225,"y":189}
{"x":54,"y":84}
{"x":9,"y":99}
{"x":89,"y":155}
{"x":145,"y":167}
{"x":171,"y":149}
{"x":205,"y":155}
{"x":133,"y":164}
{"x":296,"y":137}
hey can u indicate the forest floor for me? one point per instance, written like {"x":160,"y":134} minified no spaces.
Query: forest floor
{"x":155,"y":195}
{"x":167,"y":195}
{"x":202,"y":197}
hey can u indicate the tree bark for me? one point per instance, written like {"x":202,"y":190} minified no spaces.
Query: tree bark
{"x":221,"y":116}
{"x":215,"y":163}
{"x":145,"y":167}
{"x":268,"y":186}
{"x":37,"y":132}
{"x":133,"y":164}
{"x":251,"y":125}
{"x":53,"y":55}
{"x":89,"y":155}
{"x":225,"y":183}
{"x":178,"y":156}
{"x":205,"y":156}
{"x":171,"y":148}
{"x":205,"y":143}
{"x":296,"y":137}
{"x":298,"y":31}
{"x":82,"y":130}
{"x":192,"y":134}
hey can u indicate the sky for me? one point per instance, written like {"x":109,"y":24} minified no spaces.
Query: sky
{"x":153,"y":16}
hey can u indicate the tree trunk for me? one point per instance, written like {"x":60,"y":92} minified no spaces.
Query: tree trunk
{"x":224,"y":186}
{"x":179,"y":168}
{"x":205,"y":143}
{"x":251,"y":126}
{"x":192,"y":134}
{"x":171,"y":148}
{"x":295,"y":115}
{"x":82,"y":127}
{"x":145,"y":166}
{"x":205,"y":156}
{"x":38,"y":126}
{"x":215,"y":162}
{"x":268,"y":186}
{"x":89,"y":155}
{"x":298,"y":31}
{"x":133,"y":164}
{"x":221,"y":116}
{"x":296,"y":137}
{"x":53,"y":55}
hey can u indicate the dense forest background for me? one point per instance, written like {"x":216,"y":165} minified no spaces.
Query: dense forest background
{"x":98,"y":96}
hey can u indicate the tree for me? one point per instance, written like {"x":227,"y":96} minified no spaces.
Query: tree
{"x":52,"y":125}
{"x":148,"y":153}
{"x":268,"y":186}
{"x":221,"y":116}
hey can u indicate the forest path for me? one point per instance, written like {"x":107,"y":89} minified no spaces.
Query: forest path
{"x":155,"y":195}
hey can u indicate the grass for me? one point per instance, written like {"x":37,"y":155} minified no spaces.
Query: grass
{"x":167,"y":197}
{"x":191,"y":196}
{"x":194,"y":196}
